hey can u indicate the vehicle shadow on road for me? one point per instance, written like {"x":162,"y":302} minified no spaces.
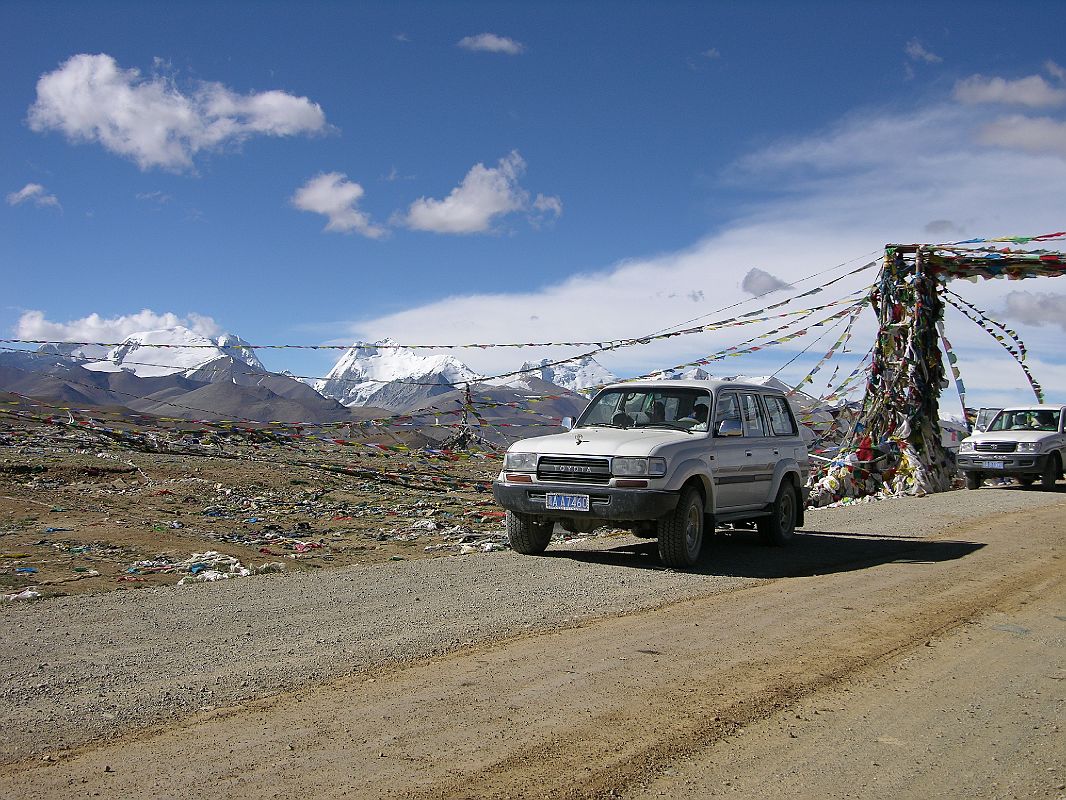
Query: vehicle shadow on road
{"x":740,"y":554}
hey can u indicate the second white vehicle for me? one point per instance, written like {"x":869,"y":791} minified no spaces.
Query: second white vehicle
{"x":1027,"y":443}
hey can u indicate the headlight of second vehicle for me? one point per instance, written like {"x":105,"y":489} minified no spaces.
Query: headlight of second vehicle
{"x":966,"y":446}
{"x":1028,"y":447}
{"x":520,"y":462}
{"x":642,"y":467}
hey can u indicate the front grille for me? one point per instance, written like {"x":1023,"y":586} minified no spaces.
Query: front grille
{"x":995,"y":447}
{"x":573,"y":469}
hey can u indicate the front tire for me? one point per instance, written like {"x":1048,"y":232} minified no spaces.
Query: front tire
{"x":527,"y":535}
{"x":681,"y":531}
{"x":779,"y":528}
{"x":1051,"y":473}
{"x":973,"y":480}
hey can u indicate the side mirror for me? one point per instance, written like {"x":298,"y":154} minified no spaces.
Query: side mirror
{"x":567,"y":423}
{"x":730,"y":427}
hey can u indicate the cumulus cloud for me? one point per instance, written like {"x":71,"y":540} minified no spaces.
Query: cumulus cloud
{"x":1036,"y":308}
{"x":334,"y":196}
{"x":546,"y":208}
{"x":1054,"y":70}
{"x":151,"y":121}
{"x":1032,"y":91}
{"x":33,"y":193}
{"x":485,"y":195}
{"x":492,"y":43}
{"x":1031,"y":134}
{"x":94,"y":328}
{"x":916,"y":51}
{"x":759,"y":282}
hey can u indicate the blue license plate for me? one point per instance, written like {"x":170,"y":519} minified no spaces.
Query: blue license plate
{"x":567,"y":502}
{"x":993,"y":465}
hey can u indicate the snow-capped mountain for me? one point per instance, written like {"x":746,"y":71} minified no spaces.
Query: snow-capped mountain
{"x":573,"y":375}
{"x":692,"y":374}
{"x":391,"y":377}
{"x":168,"y":351}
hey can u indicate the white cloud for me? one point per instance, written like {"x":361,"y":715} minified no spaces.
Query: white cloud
{"x":492,"y":43}
{"x":874,"y":177}
{"x":156,"y":197}
{"x":546,"y":208}
{"x":90,"y":98}
{"x":1036,"y":308}
{"x":1031,"y":134}
{"x":759,"y":282}
{"x":334,"y":196}
{"x":33,"y":193}
{"x":712,"y":53}
{"x":485,"y":195}
{"x":1054,"y":70}
{"x":1032,"y":91}
{"x":94,"y":328}
{"x":916,"y":51}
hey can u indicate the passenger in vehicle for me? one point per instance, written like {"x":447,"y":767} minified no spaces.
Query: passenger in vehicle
{"x":1045,"y":421}
{"x":697,"y":420}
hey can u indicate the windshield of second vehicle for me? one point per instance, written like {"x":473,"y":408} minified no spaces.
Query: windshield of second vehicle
{"x":1026,"y":420}
{"x":684,"y":409}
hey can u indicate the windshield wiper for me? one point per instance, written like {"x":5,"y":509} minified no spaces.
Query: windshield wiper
{"x":669,"y":425}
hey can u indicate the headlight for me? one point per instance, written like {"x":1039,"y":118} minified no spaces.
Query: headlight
{"x":520,"y":462}
{"x":644,"y":467}
{"x":966,"y":447}
{"x":1028,"y":447}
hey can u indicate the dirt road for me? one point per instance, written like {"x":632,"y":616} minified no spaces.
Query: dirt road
{"x":935,"y":670}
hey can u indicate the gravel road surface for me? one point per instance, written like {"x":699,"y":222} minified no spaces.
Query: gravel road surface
{"x":81,"y":670}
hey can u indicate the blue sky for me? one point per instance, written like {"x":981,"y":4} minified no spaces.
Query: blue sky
{"x":492,"y":171}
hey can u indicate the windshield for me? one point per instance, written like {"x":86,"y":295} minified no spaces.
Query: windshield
{"x":681,"y":409}
{"x":1025,"y":420}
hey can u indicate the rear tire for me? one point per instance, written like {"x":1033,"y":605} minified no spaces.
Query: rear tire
{"x":527,"y":535}
{"x":973,"y":480}
{"x":779,"y":528}
{"x":1051,"y":473}
{"x":681,"y":531}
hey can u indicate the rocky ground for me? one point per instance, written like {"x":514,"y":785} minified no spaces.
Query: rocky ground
{"x":79,"y":520}
{"x":909,"y":646}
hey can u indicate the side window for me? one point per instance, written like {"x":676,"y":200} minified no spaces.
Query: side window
{"x":777,"y":412}
{"x":727,"y":409}
{"x":752,"y":414}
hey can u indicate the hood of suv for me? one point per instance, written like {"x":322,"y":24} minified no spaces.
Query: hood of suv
{"x":1010,"y":436}
{"x":606,"y":441}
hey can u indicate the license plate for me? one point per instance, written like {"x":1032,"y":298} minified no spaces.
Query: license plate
{"x":567,"y":502}
{"x":993,"y":465}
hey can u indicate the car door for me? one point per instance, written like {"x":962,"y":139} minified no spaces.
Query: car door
{"x":758,"y":454}
{"x":731,"y":462}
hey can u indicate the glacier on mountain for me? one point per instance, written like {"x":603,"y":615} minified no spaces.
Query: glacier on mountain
{"x":575,"y":376}
{"x":168,"y":351}
{"x":389,"y":376}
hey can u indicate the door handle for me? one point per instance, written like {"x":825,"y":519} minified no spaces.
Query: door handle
{"x":747,"y":453}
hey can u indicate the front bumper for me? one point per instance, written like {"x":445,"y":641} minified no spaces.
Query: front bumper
{"x":1013,"y":463}
{"x":604,"y":502}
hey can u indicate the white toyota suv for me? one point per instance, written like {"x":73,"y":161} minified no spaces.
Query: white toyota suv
{"x":664,"y":459}
{"x":1022,"y":442}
